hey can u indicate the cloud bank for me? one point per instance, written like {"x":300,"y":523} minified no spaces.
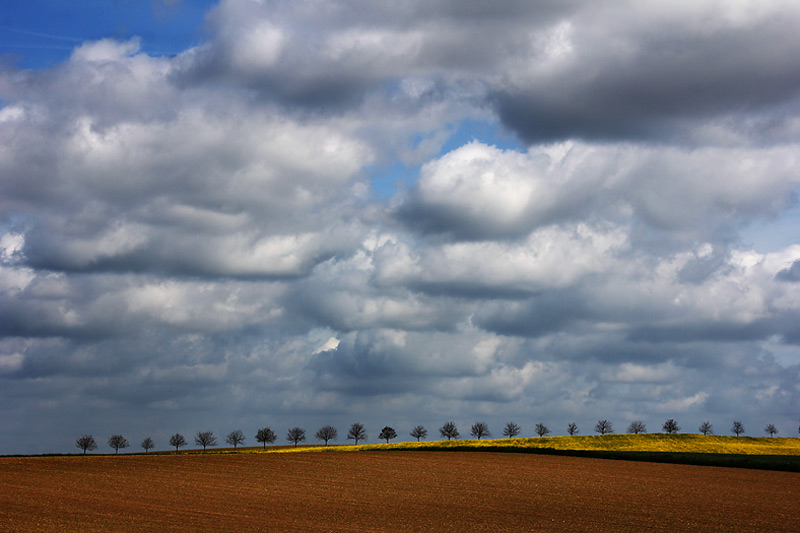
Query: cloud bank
{"x":199,"y":242}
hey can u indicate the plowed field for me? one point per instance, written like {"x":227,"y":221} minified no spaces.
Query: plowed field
{"x":388,"y":491}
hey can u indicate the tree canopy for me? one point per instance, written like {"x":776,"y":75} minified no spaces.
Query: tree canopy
{"x":235,"y":438}
{"x":387,"y":433}
{"x":419,"y":432}
{"x":449,"y":430}
{"x":148,"y":444}
{"x":671,"y":426}
{"x":479,"y":430}
{"x":86,"y":442}
{"x":357,"y":432}
{"x":178,"y":441}
{"x":265,"y":435}
{"x":511,"y":430}
{"x":636,"y":427}
{"x":296,"y":435}
{"x":118,"y":442}
{"x":205,"y":438}
{"x":326,"y":433}
{"x":603,"y":427}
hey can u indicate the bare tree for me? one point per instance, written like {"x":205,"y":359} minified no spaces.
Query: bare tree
{"x":480,"y":429}
{"x":636,"y":427}
{"x":235,"y":438}
{"x":541,"y":430}
{"x":326,"y":433}
{"x":706,"y":428}
{"x":178,"y":441}
{"x":117,"y":442}
{"x":449,"y":430}
{"x":387,"y":433}
{"x":603,"y":427}
{"x":357,"y":432}
{"x":419,"y":432}
{"x":265,"y":435}
{"x":671,"y":426}
{"x":511,"y":430}
{"x":148,"y":444}
{"x":86,"y":442}
{"x":205,"y":438}
{"x":737,"y":428}
{"x":771,"y":429}
{"x":296,"y":435}
{"x":572,"y":428}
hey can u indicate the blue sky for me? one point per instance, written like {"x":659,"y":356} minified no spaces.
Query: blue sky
{"x":43,"y":33}
{"x":246,"y":213}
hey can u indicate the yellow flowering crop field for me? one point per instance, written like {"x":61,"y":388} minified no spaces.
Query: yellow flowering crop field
{"x":650,"y":442}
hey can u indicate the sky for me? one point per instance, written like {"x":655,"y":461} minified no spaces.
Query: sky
{"x":248,"y":213}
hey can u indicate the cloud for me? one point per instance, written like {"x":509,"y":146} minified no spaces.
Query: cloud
{"x":688,"y":73}
{"x":11,"y":362}
{"x":552,"y":71}
{"x":187,"y":241}
{"x":209,"y":189}
{"x":332,"y":58}
{"x":481,"y":192}
{"x":790,"y":274}
{"x":550,"y":257}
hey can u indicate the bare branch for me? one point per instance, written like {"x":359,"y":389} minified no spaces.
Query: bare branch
{"x":449,"y":430}
{"x":636,"y":427}
{"x":387,"y":433}
{"x":511,"y":430}
{"x":235,"y":438}
{"x":671,"y":426}
{"x":296,"y":435}
{"x":265,"y":435}
{"x":177,"y":440}
{"x":86,"y":442}
{"x":480,"y":429}
{"x":327,"y":433}
{"x":148,"y":444}
{"x":357,"y":432}
{"x":603,"y":427}
{"x":205,"y":438}
{"x":419,"y":432}
{"x":117,"y":442}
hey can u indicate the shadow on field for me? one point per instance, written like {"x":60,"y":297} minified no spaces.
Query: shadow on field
{"x":784,"y":463}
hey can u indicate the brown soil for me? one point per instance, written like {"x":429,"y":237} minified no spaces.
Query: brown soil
{"x":388,"y":491}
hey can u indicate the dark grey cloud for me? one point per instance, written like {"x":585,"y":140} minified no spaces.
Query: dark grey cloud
{"x":706,"y":331}
{"x":341,"y":296}
{"x":552,"y":71}
{"x":333,"y":58}
{"x":701,"y":268}
{"x":642,"y":72}
{"x":543,"y":314}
